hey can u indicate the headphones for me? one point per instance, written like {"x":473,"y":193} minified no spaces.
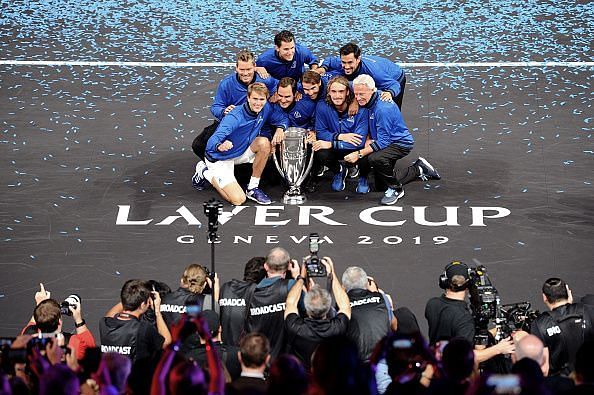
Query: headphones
{"x":444,"y":281}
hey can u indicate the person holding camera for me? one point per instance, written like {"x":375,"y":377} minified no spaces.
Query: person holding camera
{"x":122,"y":330}
{"x":266,"y":302}
{"x":564,"y":328}
{"x":232,"y":303}
{"x":304,"y":334}
{"x":449,"y":316}
{"x":192,"y":286}
{"x":47,"y":319}
{"x":372,"y":316}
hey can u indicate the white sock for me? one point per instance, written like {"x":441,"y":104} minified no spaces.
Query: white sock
{"x":254,"y":182}
{"x":207,"y":173}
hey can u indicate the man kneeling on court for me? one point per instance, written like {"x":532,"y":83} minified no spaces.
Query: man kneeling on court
{"x":238,"y":139}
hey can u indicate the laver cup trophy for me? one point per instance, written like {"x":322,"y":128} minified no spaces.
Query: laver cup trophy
{"x":293,"y":158}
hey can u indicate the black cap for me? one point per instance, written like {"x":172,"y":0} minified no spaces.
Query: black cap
{"x":457,"y":269}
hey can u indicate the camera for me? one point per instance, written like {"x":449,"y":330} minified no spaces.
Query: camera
{"x":314,"y":267}
{"x":487,"y":309}
{"x":70,"y":302}
{"x":212,"y":209}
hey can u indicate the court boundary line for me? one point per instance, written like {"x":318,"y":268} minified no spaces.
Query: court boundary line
{"x":226,"y":64}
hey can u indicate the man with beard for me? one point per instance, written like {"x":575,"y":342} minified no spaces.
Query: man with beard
{"x":337,"y":132}
{"x":388,"y":76}
{"x":287,"y":58}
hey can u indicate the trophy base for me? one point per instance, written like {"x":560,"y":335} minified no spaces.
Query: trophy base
{"x":294,"y":197}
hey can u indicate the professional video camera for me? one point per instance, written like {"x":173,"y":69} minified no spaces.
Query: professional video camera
{"x":314,"y":267}
{"x":212,"y":209}
{"x":487,"y":309}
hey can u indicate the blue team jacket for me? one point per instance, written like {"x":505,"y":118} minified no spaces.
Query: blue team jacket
{"x":386,"y":74}
{"x":329,"y":124}
{"x":232,"y":91}
{"x":300,"y":114}
{"x":386,"y":125}
{"x":241,"y":126}
{"x":279,"y":68}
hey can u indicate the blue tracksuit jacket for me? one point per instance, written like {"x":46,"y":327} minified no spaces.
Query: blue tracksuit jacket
{"x":232,"y":91}
{"x":279,"y":68}
{"x":386,"y":74}
{"x":329,"y":124}
{"x":241,"y":126}
{"x":386,"y":125}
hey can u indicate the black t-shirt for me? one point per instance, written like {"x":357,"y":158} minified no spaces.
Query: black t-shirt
{"x":133,"y":338}
{"x":448,"y":318}
{"x":173,"y":305}
{"x":370,"y":320}
{"x":563,"y":330}
{"x":304,"y":334}
{"x":232,"y":307}
{"x":227,"y":355}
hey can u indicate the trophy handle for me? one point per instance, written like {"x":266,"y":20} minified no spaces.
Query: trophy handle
{"x":309,"y":164}
{"x":277,"y":148}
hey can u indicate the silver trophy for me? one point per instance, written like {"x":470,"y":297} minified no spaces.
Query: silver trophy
{"x":293,"y":158}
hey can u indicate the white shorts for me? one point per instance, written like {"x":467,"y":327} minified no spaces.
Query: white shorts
{"x":223,"y":170}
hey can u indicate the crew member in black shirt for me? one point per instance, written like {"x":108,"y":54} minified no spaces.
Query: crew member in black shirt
{"x":449,"y":316}
{"x":266,"y":304}
{"x":232,"y":300}
{"x":190,"y":292}
{"x":564,"y":328}
{"x":372,"y":316}
{"x":123,"y":332}
{"x":304,"y":334}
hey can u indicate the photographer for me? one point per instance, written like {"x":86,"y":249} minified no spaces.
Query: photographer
{"x":47,"y":318}
{"x":372,"y":317}
{"x":232,"y":304}
{"x":448,"y":316}
{"x":122,"y":331}
{"x":304,"y":334}
{"x":266,"y":303}
{"x":564,"y":328}
{"x":191,"y":291}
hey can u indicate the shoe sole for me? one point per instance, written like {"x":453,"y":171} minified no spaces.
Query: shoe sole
{"x":428,"y":165}
{"x":257,"y":201}
{"x":398,"y":197}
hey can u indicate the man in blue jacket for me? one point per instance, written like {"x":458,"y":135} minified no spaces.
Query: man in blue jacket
{"x":390,"y":141}
{"x":238,"y":139}
{"x":287,"y":58}
{"x":300,"y":113}
{"x":388,"y":76}
{"x":231,"y":92}
{"x":337,"y":132}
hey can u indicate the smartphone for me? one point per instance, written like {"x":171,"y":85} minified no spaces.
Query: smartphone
{"x":505,"y":383}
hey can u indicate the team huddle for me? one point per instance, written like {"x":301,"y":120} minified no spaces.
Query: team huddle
{"x":350,"y":104}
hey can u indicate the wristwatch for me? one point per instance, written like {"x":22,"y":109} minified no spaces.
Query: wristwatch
{"x":78,"y":325}
{"x":359,"y":154}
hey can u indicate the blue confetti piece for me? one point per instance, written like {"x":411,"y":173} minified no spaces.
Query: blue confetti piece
{"x":524,"y":190}
{"x":32,"y":256}
{"x":521,"y":243}
{"x":117,"y":272}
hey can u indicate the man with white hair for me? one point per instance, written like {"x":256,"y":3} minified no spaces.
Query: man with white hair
{"x":304,"y":334}
{"x":372,"y":316}
{"x":390,"y":140}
